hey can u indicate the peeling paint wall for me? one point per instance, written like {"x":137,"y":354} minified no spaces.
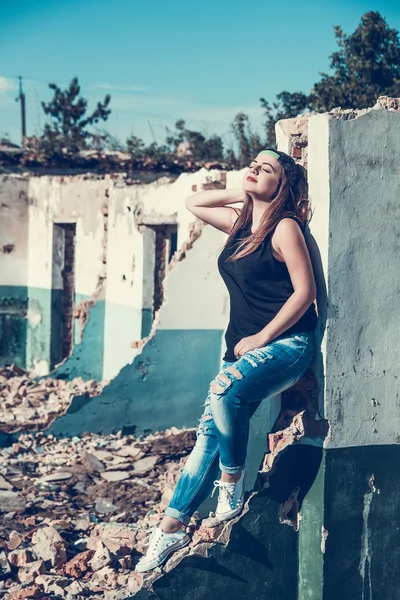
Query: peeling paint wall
{"x":65,"y":200}
{"x":364,"y":398}
{"x":14,"y":211}
{"x":346,"y":538}
{"x":114,"y":260}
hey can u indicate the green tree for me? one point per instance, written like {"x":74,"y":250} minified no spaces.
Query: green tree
{"x":135,"y":147}
{"x":366,"y":65}
{"x":199,"y":147}
{"x":67,"y":132}
{"x":248,"y":142}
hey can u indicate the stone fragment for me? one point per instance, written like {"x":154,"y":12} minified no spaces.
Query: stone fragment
{"x":104,"y":506}
{"x":125,"y":562}
{"x":52,"y":583}
{"x":14,"y":540}
{"x":118,"y":538}
{"x":101,"y":558}
{"x":115,"y":475}
{"x":32,"y":591}
{"x":4,"y":484}
{"x":49,"y":546}
{"x":144,"y":465}
{"x":130,"y":451}
{"x":92,"y":463}
{"x":59,"y":476}
{"x":135,"y":582}
{"x":82,"y":524}
{"x":10,"y":501}
{"x":75,"y":588}
{"x":207,"y":534}
{"x":29,"y":572}
{"x":19,"y":558}
{"x":5,"y":568}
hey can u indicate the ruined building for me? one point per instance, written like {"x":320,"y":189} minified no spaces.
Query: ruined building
{"x":111,"y":279}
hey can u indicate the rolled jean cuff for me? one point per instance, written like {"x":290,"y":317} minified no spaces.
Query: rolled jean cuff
{"x":176,"y":514}
{"x":230,"y":470}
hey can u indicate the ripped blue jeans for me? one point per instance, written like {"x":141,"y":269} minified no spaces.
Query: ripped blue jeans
{"x":233,"y":397}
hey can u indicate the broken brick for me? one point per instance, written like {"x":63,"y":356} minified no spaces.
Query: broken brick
{"x":79,"y":564}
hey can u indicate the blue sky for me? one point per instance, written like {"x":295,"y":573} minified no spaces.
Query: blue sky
{"x":162,"y":61}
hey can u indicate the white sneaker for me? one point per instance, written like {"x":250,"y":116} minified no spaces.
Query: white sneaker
{"x":161,"y":545}
{"x":230,"y":497}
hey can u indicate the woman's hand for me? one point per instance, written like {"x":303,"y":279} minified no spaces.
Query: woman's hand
{"x":249,"y":343}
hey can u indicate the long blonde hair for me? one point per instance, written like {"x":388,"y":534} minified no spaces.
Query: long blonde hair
{"x":287,"y":200}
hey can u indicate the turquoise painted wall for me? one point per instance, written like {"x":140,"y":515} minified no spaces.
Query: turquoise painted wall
{"x":13,"y":325}
{"x":86,"y":359}
{"x":166,"y":385}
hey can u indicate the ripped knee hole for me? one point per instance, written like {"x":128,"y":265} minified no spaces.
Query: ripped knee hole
{"x":216,"y":387}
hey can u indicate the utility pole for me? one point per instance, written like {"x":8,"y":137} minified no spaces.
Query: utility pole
{"x":21,"y":98}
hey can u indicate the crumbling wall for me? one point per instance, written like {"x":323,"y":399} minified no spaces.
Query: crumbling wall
{"x":76,"y":200}
{"x":13,"y":268}
{"x":135,"y":211}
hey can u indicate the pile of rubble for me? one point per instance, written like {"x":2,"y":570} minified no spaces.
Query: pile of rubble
{"x":27,"y":404}
{"x":76,"y":513}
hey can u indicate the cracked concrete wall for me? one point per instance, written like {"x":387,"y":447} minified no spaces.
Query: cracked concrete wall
{"x":363,"y":405}
{"x":167,"y":383}
{"x":340,"y":492}
{"x":362,"y":394}
{"x":114,"y":263}
{"x":130,"y":259}
{"x":65,"y":200}
{"x":346,"y":538}
{"x":13,"y":268}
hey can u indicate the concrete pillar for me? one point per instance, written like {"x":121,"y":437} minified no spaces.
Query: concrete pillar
{"x":347,"y":536}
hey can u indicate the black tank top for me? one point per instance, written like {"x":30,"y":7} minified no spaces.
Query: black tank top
{"x":258,"y":286}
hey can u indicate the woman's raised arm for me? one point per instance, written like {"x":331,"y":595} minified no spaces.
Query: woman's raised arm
{"x":210,"y":206}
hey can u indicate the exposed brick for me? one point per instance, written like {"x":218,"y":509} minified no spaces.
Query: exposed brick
{"x":296,"y":152}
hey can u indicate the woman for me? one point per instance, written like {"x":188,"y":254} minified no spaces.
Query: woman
{"x":267,"y":269}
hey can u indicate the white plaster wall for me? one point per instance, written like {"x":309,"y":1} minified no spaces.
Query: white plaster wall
{"x":66,"y":200}
{"x":60,"y":200}
{"x":124,"y":290}
{"x":168,"y":198}
{"x":195,"y":295}
{"x":14,"y":230}
{"x":160,"y":201}
{"x":318,"y":243}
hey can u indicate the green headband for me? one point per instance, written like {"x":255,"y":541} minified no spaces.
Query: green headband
{"x":272,"y":153}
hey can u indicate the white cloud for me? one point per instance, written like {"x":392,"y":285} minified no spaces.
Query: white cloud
{"x":7,"y":85}
{"x":168,"y":107}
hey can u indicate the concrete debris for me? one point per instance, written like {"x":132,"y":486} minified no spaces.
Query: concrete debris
{"x":11,"y":501}
{"x":80,"y":536}
{"x":29,"y":572}
{"x":77,"y":513}
{"x":5,"y":568}
{"x":49,"y":546}
{"x":27,"y":405}
{"x":15,"y":540}
{"x":19,"y":558}
{"x":101,"y":558}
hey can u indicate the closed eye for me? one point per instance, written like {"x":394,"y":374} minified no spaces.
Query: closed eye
{"x":265,"y":170}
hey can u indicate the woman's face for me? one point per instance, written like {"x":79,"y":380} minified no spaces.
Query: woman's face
{"x":262,"y":177}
